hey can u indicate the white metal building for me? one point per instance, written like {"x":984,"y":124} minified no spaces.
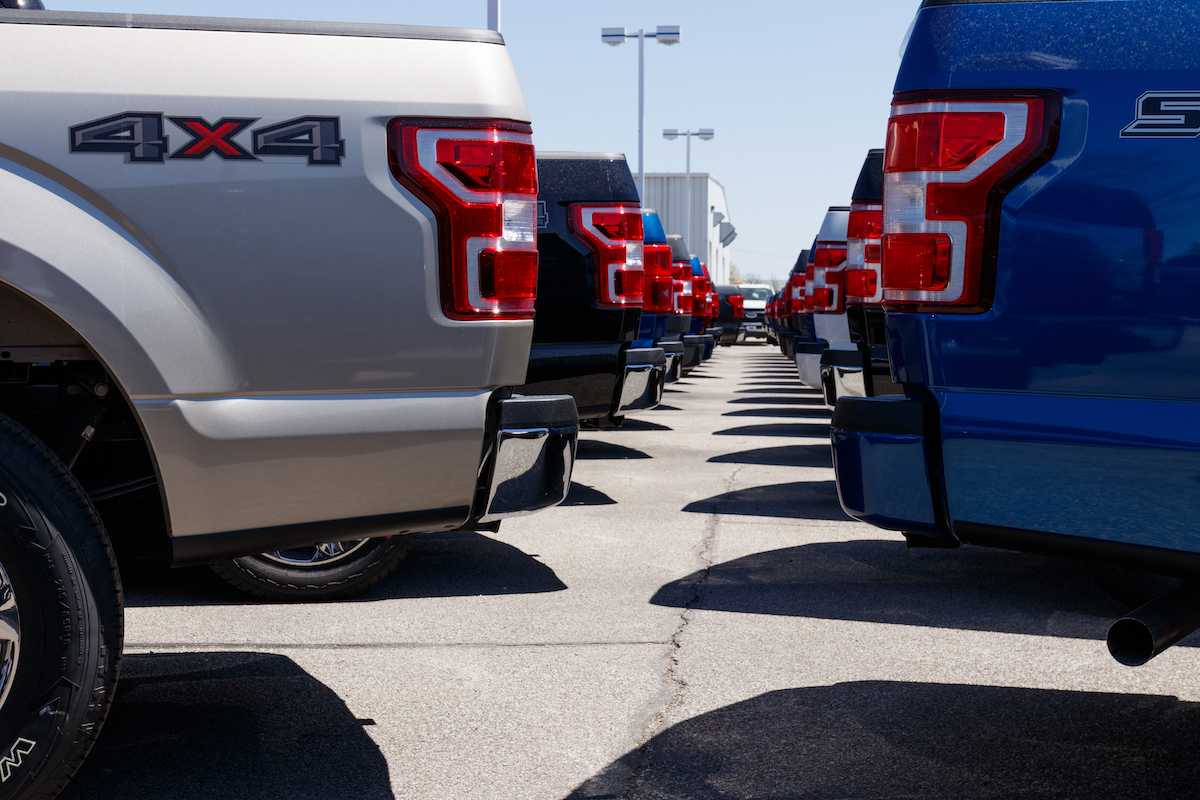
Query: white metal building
{"x":712,"y":228}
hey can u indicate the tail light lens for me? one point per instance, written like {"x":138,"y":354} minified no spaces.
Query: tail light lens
{"x":829,"y":278}
{"x":614,"y":234}
{"x":809,"y":286}
{"x":864,"y":284}
{"x":699,"y":296}
{"x":738,"y":304}
{"x":714,"y":305}
{"x":682,"y":274}
{"x":794,"y":292}
{"x":480,"y":180}
{"x":950,"y":160}
{"x":657,"y":294}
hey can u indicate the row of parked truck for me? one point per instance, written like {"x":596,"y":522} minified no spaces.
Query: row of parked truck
{"x":1003,"y":319}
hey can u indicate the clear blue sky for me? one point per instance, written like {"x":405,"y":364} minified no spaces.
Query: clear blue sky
{"x":797,"y":90}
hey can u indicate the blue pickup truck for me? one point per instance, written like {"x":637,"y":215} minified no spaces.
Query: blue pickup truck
{"x":1041,"y":276}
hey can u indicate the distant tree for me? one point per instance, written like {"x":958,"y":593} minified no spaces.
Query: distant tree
{"x":754,"y":277}
{"x":735,"y":274}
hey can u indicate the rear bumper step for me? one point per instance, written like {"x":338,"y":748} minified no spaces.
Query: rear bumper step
{"x":533,"y":456}
{"x":642,"y":383}
{"x":880,"y":463}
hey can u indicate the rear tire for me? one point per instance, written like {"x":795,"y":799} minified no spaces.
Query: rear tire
{"x":329,"y":571}
{"x":61,"y":623}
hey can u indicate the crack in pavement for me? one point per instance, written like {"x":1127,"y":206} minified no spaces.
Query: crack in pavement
{"x":677,"y":684}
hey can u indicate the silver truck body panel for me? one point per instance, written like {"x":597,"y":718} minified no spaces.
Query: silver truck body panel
{"x":221,"y":293}
{"x":258,"y":462}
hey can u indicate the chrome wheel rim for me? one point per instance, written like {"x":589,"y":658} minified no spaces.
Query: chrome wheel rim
{"x":10,"y":635}
{"x":319,"y":555}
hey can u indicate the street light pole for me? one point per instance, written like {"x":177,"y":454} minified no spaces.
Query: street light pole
{"x":494,"y":15}
{"x":706,"y":134}
{"x":664,"y":34}
{"x":641,"y":113}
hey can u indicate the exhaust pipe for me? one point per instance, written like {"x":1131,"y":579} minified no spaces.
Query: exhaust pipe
{"x":1145,"y":632}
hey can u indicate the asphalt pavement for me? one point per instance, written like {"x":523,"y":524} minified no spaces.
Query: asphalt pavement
{"x":698,"y":620}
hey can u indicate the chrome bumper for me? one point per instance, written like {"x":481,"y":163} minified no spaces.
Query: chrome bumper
{"x":674,"y":354}
{"x":533,"y":457}
{"x":842,"y":375}
{"x":642,"y":383}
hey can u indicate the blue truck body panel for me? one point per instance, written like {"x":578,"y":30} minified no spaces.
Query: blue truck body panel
{"x":1072,"y":405}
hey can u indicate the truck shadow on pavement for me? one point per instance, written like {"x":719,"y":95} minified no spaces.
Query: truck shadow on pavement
{"x":597,"y":450}
{"x":811,"y":429}
{"x":801,"y":500}
{"x":786,"y":387}
{"x":793,"y":455}
{"x":779,"y":401}
{"x":581,"y":495}
{"x":441,"y":564}
{"x":780,"y":411}
{"x":641,"y":425}
{"x":875,"y":739}
{"x":782,"y":386}
{"x":229,"y":725}
{"x":979,"y":589}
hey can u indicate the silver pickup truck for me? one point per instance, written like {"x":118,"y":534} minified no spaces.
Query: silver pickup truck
{"x":265,"y":288}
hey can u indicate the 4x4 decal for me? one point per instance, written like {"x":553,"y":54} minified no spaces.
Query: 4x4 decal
{"x":1165,"y":115}
{"x":216,"y":138}
{"x":141,"y":137}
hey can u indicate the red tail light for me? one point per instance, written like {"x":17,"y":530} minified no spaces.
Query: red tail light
{"x":809,"y":286}
{"x":793,"y":293}
{"x":699,"y":296}
{"x":714,"y":305}
{"x":480,"y":180}
{"x":682,"y":274}
{"x":864,"y":255}
{"x":829,"y":278}
{"x":738,"y":303}
{"x":614,"y":234}
{"x":950,"y":160}
{"x":657,"y":297}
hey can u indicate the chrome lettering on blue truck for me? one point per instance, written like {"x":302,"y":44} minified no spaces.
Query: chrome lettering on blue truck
{"x":1165,"y":115}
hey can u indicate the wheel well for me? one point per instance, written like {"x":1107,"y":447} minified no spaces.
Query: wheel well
{"x":53,"y":384}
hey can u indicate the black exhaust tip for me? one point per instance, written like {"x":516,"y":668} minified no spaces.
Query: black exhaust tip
{"x":1130,"y":642}
{"x":1147,"y":631}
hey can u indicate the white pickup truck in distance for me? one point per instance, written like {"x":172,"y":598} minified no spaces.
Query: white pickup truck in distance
{"x":265,"y":293}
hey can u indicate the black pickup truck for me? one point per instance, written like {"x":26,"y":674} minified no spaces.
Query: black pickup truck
{"x":590,"y":278}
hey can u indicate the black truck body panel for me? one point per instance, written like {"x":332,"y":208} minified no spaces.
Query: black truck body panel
{"x":578,"y":345}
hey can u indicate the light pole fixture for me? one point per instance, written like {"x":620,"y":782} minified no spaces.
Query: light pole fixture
{"x":671,"y":134}
{"x":494,"y":15}
{"x":664,"y":34}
